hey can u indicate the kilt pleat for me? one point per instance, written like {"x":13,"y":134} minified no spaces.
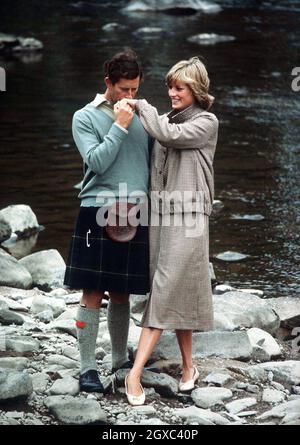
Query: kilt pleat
{"x":98,"y":263}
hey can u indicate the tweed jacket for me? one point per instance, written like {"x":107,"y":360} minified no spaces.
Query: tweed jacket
{"x":182,"y":158}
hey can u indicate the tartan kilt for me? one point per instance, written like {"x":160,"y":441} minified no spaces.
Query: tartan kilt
{"x":105,"y":264}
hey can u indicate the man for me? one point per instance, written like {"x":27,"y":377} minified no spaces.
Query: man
{"x":115,"y":150}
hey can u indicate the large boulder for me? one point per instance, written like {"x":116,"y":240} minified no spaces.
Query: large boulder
{"x":233,"y":345}
{"x":21,"y":219}
{"x":265,"y":347}
{"x":235,"y":310}
{"x":288,"y":310}
{"x":47,"y":269}
{"x":12,"y":273}
{"x":10,"y":44}
{"x":171,"y":5}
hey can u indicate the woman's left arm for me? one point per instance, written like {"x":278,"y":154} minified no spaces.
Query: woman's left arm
{"x":191,"y":134}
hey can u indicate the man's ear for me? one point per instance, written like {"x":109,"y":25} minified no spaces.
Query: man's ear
{"x":107,"y":82}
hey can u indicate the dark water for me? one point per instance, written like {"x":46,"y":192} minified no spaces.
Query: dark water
{"x":257,"y":160}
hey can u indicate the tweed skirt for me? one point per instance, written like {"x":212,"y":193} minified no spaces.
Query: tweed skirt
{"x":181,"y":294}
{"x":96,"y":262}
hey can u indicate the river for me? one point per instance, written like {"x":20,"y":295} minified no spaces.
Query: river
{"x":257,"y":159}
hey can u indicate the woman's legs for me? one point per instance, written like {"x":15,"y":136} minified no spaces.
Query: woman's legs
{"x":148,"y":340}
{"x":184,"y":338}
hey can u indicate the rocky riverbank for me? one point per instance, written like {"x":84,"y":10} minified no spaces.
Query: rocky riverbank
{"x":249,"y":365}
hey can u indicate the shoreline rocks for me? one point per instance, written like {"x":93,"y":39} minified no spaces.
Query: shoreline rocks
{"x":248,"y":374}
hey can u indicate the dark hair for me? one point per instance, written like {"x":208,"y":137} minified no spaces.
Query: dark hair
{"x":123,"y":65}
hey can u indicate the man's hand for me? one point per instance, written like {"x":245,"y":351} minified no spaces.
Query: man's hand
{"x":124,"y":113}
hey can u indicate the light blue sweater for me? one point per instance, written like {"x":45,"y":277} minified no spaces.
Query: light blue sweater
{"x":112,"y":157}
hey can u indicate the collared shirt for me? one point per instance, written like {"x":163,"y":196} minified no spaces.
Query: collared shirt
{"x":107,"y":108}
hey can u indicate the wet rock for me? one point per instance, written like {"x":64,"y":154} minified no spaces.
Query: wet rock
{"x":256,"y":217}
{"x":210,"y":39}
{"x":111,"y":27}
{"x":67,"y":385}
{"x":172,"y":5}
{"x":12,"y":273}
{"x":240,"y":405}
{"x":21,"y":219}
{"x":288,"y":310}
{"x":14,"y":384}
{"x":217,"y":205}
{"x":47,"y":268}
{"x":231,"y":256}
{"x":41,"y":303}
{"x":201,"y":416}
{"x":234,"y":345}
{"x":234,"y":310}
{"x":149,"y":32}
{"x":75,"y":411}
{"x":220,"y":289}
{"x":217,"y":378}
{"x":211,"y":396}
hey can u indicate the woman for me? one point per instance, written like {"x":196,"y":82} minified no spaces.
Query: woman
{"x":182,"y":179}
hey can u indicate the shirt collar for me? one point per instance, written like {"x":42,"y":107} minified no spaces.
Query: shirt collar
{"x":100,"y":99}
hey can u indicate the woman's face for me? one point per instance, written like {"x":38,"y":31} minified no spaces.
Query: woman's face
{"x":181,"y":95}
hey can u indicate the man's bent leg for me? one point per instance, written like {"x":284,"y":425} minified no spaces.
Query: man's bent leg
{"x":118,"y":317}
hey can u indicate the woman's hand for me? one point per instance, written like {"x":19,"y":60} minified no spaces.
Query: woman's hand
{"x":124,"y":113}
{"x":131,"y":102}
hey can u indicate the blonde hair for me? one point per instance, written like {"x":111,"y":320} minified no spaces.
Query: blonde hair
{"x":193,"y":73}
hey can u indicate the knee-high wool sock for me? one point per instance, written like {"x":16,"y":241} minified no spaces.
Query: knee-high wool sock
{"x":87,"y":325}
{"x":118,"y":326}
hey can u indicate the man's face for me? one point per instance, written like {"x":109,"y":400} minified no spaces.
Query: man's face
{"x":123,"y":89}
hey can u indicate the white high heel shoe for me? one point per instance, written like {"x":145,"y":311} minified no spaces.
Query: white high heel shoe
{"x":190,"y":384}
{"x":135,"y":400}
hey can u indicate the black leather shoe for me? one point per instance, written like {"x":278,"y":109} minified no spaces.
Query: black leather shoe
{"x":89,"y":382}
